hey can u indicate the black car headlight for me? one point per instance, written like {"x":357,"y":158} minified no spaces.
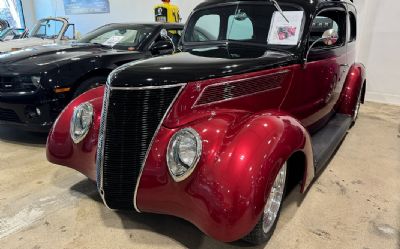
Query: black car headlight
{"x":36,"y":81}
{"x":20,"y":83}
{"x":81,"y":122}
{"x":184,"y":151}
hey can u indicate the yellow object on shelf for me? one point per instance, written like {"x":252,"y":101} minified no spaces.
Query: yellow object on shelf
{"x":167,"y":12}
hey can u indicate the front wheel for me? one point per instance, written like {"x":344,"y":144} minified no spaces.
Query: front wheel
{"x":89,"y":84}
{"x":357,"y":107}
{"x":264,"y":229}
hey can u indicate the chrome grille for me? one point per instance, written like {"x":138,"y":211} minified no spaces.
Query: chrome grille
{"x":100,"y":145}
{"x":130,"y":119}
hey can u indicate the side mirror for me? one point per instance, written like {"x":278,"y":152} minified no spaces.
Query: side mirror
{"x":162,"y":47}
{"x":329,"y":38}
{"x":166,"y":45}
{"x":164,"y":34}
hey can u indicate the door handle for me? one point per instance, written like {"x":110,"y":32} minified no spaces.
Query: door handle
{"x":344,"y":65}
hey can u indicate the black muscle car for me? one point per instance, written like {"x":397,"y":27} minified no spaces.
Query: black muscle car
{"x":38,"y":82}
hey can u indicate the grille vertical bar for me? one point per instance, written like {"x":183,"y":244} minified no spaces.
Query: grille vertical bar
{"x":128,"y":125}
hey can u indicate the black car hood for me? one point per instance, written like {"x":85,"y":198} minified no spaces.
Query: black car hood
{"x":48,"y":56}
{"x":199,"y":64}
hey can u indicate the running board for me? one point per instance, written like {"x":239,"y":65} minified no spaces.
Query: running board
{"x":326,"y":141}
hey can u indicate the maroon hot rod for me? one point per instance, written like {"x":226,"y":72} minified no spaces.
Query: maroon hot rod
{"x":215,"y":134}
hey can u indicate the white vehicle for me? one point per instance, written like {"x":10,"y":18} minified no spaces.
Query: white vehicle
{"x":46,"y":31}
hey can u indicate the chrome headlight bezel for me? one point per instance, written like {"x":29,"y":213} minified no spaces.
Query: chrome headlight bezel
{"x":174,"y":160}
{"x":77,"y":116}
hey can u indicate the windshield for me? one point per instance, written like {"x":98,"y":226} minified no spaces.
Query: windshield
{"x":4,"y":32}
{"x":47,"y":29}
{"x":250,"y":23}
{"x":121,"y":37}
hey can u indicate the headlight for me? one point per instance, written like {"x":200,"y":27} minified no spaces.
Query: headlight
{"x":184,"y":151}
{"x":81,"y":121}
{"x":21,"y":84}
{"x":36,"y":81}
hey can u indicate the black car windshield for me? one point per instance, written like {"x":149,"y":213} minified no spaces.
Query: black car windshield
{"x":120,"y":37}
{"x":249,"y":23}
{"x":48,"y":29}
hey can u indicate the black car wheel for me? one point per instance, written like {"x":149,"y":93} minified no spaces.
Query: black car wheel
{"x":90,"y":84}
{"x":265,"y":228}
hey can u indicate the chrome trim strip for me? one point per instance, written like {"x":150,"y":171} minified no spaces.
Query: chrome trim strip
{"x":234,"y":81}
{"x":145,"y":87}
{"x":152,"y":141}
{"x":104,"y":115}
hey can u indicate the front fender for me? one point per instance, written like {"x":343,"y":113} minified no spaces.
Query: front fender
{"x":353,"y":86}
{"x":226,"y":193}
{"x":62,"y":150}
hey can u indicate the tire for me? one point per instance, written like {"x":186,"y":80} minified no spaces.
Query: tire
{"x":265,"y":228}
{"x":89,"y":84}
{"x":357,"y":108}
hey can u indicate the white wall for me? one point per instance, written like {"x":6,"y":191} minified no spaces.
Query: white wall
{"x":29,"y":13}
{"x":120,"y":11}
{"x":378,"y":34}
{"x":379,"y":40}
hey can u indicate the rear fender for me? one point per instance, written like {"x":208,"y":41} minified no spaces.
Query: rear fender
{"x":60,"y":147}
{"x":227,"y":191}
{"x":354,"y":85}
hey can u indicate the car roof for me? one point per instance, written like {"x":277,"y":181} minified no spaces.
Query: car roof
{"x":307,"y":4}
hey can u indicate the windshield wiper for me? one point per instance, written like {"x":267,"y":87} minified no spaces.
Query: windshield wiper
{"x":276,"y":4}
{"x":101,"y":44}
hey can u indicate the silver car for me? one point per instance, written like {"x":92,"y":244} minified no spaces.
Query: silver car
{"x":46,"y":31}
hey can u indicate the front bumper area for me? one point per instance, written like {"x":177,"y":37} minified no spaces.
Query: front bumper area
{"x":34,"y":112}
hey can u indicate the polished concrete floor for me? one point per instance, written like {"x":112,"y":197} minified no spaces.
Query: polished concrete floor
{"x":355,"y":203}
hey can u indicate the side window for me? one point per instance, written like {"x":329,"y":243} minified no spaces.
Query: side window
{"x":353,"y":27}
{"x":329,"y":19}
{"x":209,"y":27}
{"x":198,"y":35}
{"x":240,"y":29}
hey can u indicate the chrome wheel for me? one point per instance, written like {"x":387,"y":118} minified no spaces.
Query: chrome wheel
{"x":357,"y":110}
{"x":274,"y":201}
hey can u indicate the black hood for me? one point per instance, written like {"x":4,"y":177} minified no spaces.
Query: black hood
{"x":199,"y":64}
{"x":44,"y":57}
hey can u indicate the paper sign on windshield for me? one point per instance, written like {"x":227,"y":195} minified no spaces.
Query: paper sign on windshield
{"x":283,"y":32}
{"x":113,"y":40}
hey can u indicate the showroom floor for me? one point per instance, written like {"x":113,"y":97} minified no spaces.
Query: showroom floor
{"x":355,"y":203}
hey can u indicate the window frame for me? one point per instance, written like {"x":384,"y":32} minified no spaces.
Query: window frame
{"x":318,"y":50}
{"x":352,"y":36}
